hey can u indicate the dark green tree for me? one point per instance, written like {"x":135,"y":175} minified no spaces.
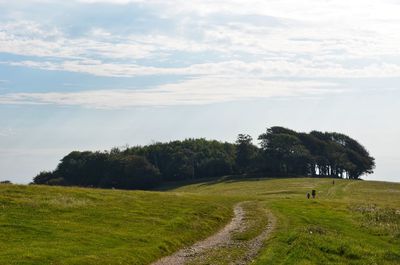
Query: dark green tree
{"x":245,"y":153}
{"x":283,"y":152}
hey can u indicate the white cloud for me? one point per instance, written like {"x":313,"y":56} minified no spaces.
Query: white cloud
{"x":313,"y":39}
{"x":6,"y":132}
{"x":259,"y":69}
{"x":190,"y":92}
{"x":118,"y":2}
{"x":31,"y":39}
{"x":327,"y":50}
{"x":310,"y":10}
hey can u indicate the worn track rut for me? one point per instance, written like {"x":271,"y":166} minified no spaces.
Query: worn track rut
{"x":220,"y":239}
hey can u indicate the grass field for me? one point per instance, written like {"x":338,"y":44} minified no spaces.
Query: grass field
{"x":351,"y":222}
{"x":50,"y":225}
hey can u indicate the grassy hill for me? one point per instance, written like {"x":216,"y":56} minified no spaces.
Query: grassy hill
{"x":52,"y":225}
{"x":350,"y":222}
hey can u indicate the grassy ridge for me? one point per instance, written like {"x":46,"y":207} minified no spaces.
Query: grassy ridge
{"x":351,"y":222}
{"x":50,"y":225}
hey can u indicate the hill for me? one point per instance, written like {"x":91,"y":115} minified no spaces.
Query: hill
{"x":349,"y":222}
{"x":53,"y":225}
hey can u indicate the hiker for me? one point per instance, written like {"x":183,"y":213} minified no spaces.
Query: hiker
{"x":308,"y":195}
{"x":313,"y":193}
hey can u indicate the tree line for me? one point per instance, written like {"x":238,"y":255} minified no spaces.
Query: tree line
{"x":281,"y":153}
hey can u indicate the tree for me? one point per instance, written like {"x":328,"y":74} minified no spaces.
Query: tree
{"x":5,"y":182}
{"x":245,"y":152}
{"x":131,"y":172}
{"x":188,"y":159}
{"x":316,"y":154}
{"x":283,"y":152}
{"x":43,"y":177}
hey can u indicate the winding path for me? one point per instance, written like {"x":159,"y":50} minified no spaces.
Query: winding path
{"x":222,"y":238}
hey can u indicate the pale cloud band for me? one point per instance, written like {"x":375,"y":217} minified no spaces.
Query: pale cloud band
{"x":322,"y":44}
{"x":257,"y":69}
{"x":190,"y":92}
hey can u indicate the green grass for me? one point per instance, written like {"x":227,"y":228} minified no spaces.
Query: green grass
{"x":351,"y":222}
{"x":49,"y":225}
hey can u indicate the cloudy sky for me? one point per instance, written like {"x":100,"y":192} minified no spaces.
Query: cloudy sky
{"x":94,"y":74}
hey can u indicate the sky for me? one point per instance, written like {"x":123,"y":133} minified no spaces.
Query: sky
{"x":97,"y":74}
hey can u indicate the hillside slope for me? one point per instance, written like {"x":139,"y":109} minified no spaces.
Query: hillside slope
{"x":349,"y":222}
{"x":59,"y":225}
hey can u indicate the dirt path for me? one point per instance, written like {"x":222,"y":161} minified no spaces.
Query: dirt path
{"x":222,"y":238}
{"x":254,"y":246}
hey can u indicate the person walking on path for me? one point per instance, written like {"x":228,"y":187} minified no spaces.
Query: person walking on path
{"x":313,"y":193}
